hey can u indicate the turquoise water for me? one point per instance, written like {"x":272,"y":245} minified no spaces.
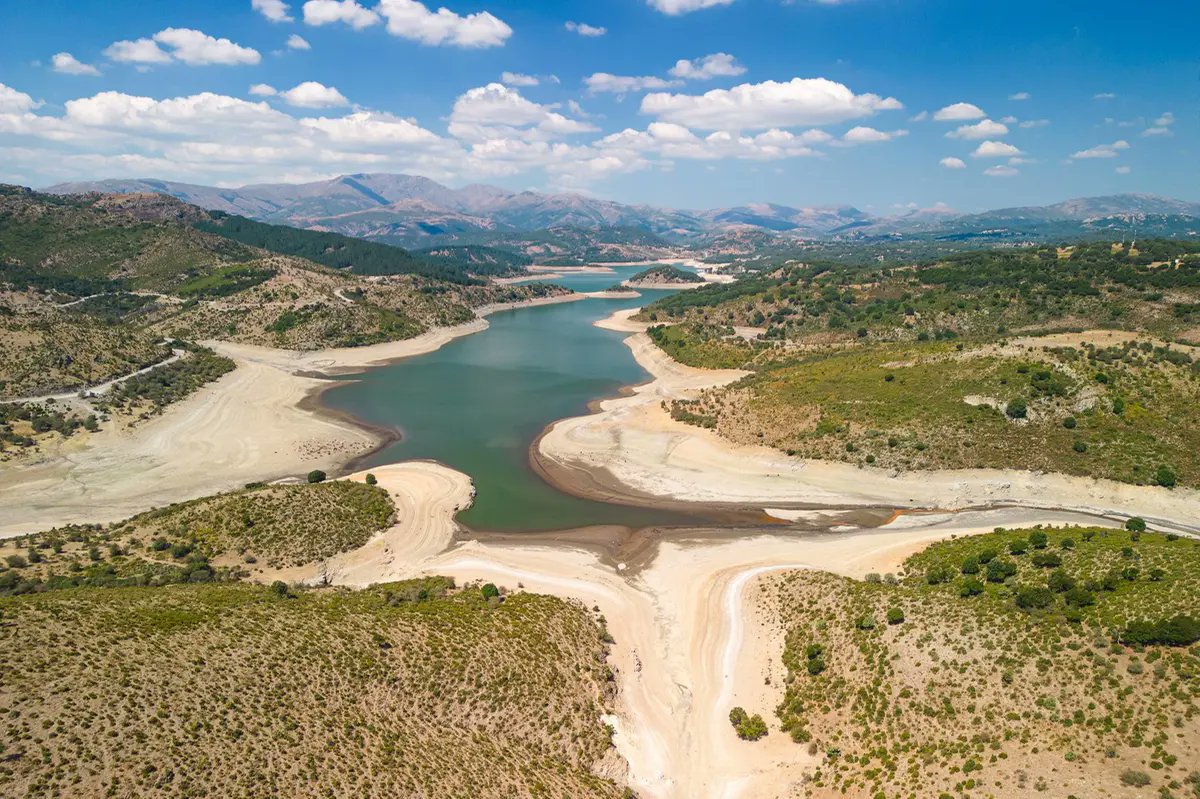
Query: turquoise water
{"x":478,"y":403}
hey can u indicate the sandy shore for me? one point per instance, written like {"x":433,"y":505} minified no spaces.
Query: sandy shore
{"x":259,"y":422}
{"x":633,"y":442}
{"x":690,"y":639}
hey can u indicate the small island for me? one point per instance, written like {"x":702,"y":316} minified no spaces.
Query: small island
{"x":664,"y":276}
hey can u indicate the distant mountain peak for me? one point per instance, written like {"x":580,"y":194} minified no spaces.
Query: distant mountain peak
{"x":419,"y":211}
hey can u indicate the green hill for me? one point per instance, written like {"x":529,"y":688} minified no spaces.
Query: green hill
{"x":333,"y":249}
{"x":1078,"y":360}
{"x":1042,"y":661}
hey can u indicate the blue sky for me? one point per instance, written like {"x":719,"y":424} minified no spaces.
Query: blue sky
{"x":798,"y":102}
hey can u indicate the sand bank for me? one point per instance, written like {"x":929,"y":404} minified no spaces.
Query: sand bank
{"x":251,"y":424}
{"x":259,"y":422}
{"x":633,"y":442}
{"x":691,"y":639}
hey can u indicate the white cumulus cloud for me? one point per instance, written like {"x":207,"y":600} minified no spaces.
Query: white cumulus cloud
{"x":1001,"y":171}
{"x":325,"y":12}
{"x":497,"y":111}
{"x":959,"y":112}
{"x":771,"y":104}
{"x":676,"y":7}
{"x":584,"y":29}
{"x":995,"y":149}
{"x":137,"y":51}
{"x":710,"y":66}
{"x":604,"y":82}
{"x":263,"y":90}
{"x":953,"y":163}
{"x":15,"y":102}
{"x":70,"y":65}
{"x":1018,"y":96}
{"x":984,"y":129}
{"x":410,"y":19}
{"x":311,"y":94}
{"x":197,"y":48}
{"x":1103,"y":150}
{"x":274,"y":10}
{"x":867,"y":135}
{"x":518,"y":79}
{"x":298,"y":42}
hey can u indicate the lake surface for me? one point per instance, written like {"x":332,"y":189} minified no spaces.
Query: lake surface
{"x":478,"y":403}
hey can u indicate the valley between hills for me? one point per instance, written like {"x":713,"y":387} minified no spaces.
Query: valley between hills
{"x":938,"y":508}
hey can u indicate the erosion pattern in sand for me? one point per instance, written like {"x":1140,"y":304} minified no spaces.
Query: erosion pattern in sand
{"x":634,"y":442}
{"x":252,"y":424}
{"x":689,"y":641}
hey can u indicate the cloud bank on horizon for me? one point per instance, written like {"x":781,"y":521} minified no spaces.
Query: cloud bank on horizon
{"x":247,"y":91}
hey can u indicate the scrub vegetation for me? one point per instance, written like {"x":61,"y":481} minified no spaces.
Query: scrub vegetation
{"x":407,"y":689}
{"x":1061,"y":661}
{"x":1069,"y":360}
{"x":203,"y":540}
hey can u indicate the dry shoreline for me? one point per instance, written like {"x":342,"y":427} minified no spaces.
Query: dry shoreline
{"x":262,"y":421}
{"x":689,"y":640}
{"x":631,"y":442}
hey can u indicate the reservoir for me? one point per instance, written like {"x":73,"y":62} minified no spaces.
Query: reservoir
{"x":478,"y":403}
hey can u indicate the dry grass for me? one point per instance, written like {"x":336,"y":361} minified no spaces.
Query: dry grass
{"x":232,"y":690}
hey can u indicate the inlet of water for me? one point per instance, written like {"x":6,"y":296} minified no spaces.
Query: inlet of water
{"x":478,"y":403}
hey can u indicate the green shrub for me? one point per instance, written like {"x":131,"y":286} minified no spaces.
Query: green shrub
{"x":1017,"y":409}
{"x":895,"y":616}
{"x":1136,"y":524}
{"x":1000,"y":569}
{"x":1060,"y":581}
{"x":752,"y":728}
{"x":1034,"y":597}
{"x":1178,"y":631}
{"x":1136,"y":779}
{"x":490,"y":591}
{"x":1046,"y":560}
{"x":1079,"y":597}
{"x":316,"y":476}
{"x":1165,"y":477}
{"x":970,"y":587}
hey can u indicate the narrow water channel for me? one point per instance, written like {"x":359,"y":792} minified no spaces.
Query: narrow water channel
{"x":478,"y":403}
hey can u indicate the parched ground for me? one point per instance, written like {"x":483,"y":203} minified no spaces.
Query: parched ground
{"x":236,"y":691}
{"x":975,"y":696}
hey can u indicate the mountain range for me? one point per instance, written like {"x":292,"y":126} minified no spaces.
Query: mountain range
{"x":413,"y":211}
